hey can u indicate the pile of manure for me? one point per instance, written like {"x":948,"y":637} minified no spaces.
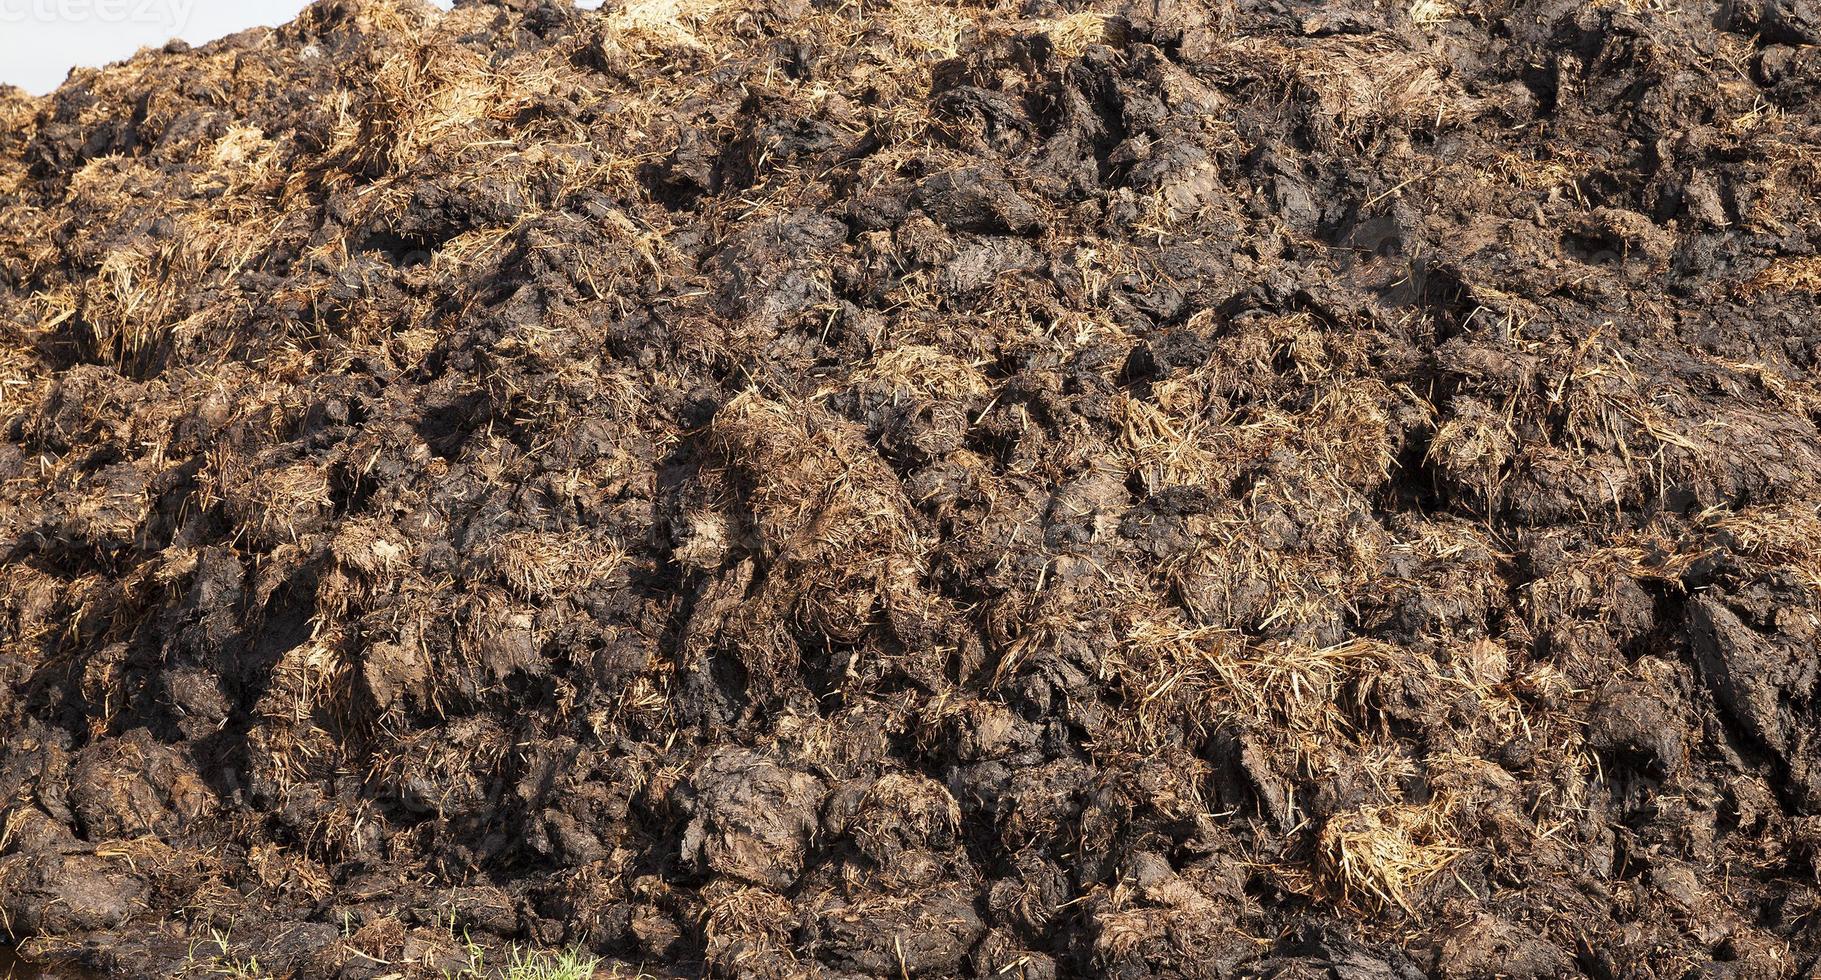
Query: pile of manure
{"x":919,"y":488}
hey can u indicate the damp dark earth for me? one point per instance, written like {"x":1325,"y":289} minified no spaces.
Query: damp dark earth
{"x":918,"y":488}
{"x":14,"y":968}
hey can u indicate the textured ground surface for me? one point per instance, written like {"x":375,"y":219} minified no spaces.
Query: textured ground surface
{"x":871,"y":489}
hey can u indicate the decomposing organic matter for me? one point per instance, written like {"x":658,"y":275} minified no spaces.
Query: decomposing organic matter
{"x":919,"y":488}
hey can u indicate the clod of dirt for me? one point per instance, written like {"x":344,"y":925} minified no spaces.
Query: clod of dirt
{"x":750,"y":819}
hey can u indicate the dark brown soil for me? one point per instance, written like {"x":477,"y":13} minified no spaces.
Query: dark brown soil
{"x":14,"y":968}
{"x":854,"y":488}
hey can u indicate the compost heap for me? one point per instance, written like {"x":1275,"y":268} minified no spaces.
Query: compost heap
{"x":920,"y":488}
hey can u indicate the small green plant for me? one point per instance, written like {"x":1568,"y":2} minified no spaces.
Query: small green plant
{"x":523,"y":964}
{"x":222,"y":963}
{"x":549,"y":965}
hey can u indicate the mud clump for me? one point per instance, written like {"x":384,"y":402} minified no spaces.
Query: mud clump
{"x":1121,"y":488}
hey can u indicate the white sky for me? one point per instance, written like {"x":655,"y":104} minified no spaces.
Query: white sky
{"x":41,"y":40}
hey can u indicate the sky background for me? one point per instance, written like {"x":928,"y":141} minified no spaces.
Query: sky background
{"x":40,"y":40}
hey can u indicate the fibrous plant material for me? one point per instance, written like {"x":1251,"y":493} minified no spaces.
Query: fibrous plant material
{"x":918,"y":489}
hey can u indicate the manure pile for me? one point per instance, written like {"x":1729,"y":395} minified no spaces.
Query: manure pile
{"x":919,"y":488}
